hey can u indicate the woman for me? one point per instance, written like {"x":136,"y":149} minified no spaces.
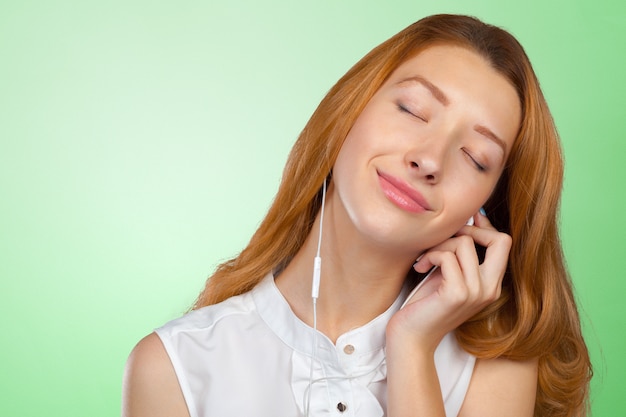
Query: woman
{"x":442,"y":119}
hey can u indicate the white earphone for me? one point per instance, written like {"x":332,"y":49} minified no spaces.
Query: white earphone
{"x":315,"y":291}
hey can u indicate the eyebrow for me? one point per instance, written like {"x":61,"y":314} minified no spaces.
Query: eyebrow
{"x":486,"y":132}
{"x":443,"y":99}
{"x":434,"y":90}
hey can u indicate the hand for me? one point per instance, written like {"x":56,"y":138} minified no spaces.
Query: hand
{"x":458,"y":289}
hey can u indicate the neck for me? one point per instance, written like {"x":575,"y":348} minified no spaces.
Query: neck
{"x":359,"y":279}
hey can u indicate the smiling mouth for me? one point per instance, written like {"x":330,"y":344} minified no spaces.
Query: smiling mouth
{"x":402,"y":194}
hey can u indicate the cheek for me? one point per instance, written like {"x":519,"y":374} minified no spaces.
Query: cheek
{"x":356,"y":148}
{"x":467,"y":191}
{"x":345,"y":170}
{"x":344,"y":163}
{"x":372,"y":129}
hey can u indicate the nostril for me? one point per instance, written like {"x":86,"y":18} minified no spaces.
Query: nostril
{"x":430,"y":177}
{"x":414,"y":165}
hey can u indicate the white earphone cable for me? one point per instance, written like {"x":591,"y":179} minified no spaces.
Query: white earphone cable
{"x":315,"y":290}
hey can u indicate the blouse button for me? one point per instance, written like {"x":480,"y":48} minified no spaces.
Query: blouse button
{"x":348,"y":349}
{"x":342,"y":407}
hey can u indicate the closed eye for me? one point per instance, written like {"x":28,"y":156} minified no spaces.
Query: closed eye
{"x":404,"y":109}
{"x":480,"y":167}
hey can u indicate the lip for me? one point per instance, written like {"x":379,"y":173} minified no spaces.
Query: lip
{"x":402,"y":194}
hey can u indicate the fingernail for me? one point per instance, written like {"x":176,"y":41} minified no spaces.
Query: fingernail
{"x":482,"y":211}
{"x":418,"y":259}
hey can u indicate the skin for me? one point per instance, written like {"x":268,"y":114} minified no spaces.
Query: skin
{"x":150,"y":386}
{"x":441,"y":126}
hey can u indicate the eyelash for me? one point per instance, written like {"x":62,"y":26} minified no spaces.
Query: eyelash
{"x":479,"y":167}
{"x":404,"y":109}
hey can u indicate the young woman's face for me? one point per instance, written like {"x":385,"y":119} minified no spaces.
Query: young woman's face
{"x":428,"y":149}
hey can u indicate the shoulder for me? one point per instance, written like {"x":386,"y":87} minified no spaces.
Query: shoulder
{"x":150,"y":385}
{"x":501,"y":387}
{"x":238,"y":307}
{"x":207,"y":325}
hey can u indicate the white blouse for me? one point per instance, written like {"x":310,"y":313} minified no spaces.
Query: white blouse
{"x":250,"y":356}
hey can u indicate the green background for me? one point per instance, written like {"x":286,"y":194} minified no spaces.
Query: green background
{"x":141,"y":143}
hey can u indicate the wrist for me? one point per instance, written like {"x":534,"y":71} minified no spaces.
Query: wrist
{"x":412,"y":381}
{"x":408,"y":341}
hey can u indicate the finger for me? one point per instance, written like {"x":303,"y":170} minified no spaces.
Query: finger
{"x":497,"y":259}
{"x":463,"y":289}
{"x":453,"y":245}
{"x":462,"y":252}
{"x":452,"y":284}
{"x":481,"y":220}
{"x":483,"y":281}
{"x":498,"y":246}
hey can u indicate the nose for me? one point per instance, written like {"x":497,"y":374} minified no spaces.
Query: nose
{"x":425,"y":160}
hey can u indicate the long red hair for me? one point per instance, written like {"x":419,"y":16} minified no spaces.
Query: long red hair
{"x":536,"y":316}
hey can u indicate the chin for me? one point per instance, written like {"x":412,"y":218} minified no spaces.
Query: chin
{"x":390,"y":235}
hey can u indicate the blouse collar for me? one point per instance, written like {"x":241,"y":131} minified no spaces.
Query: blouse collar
{"x":277,"y":314}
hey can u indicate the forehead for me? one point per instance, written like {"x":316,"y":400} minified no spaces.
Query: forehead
{"x":450,"y":60}
{"x":468,"y":83}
